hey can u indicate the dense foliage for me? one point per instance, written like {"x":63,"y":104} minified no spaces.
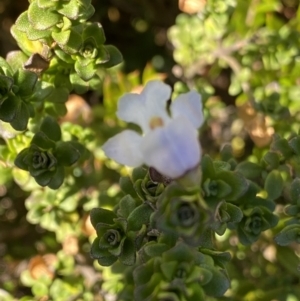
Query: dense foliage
{"x":117,"y":186}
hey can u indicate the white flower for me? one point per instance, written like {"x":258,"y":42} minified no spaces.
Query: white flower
{"x":169,"y":143}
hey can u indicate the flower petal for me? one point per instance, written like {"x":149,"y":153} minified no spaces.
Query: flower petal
{"x":124,"y":148}
{"x":131,"y":108}
{"x":189,"y":105}
{"x":174,"y":149}
{"x":140,"y":109}
{"x":156,"y":94}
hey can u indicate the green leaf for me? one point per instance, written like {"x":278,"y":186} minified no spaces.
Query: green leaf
{"x":115,"y":57}
{"x":41,"y":140}
{"x":142,"y":274}
{"x":107,"y":261}
{"x":121,"y":223}
{"x":21,"y":118}
{"x":127,"y":185}
{"x":117,"y":250}
{"x":70,"y":10}
{"x":218,"y":285}
{"x":63,"y":56}
{"x":28,"y":161}
{"x":288,"y":235}
{"x":181,"y":252}
{"x":51,"y":128}
{"x":274,"y":185}
{"x":5,"y":67}
{"x":19,"y":161}
{"x":34,"y":35}
{"x":46,"y":3}
{"x":154,"y":249}
{"x":102,"y":57}
{"x":44,"y":178}
{"x":39,"y":289}
{"x":87,"y":13}
{"x":43,"y":90}
{"x":282,"y":146}
{"x":126,"y":206}
{"x":139,"y":238}
{"x":168,"y":295}
{"x":221,"y":166}
{"x":9,"y":108}
{"x":42,"y":19}
{"x":58,"y":178}
{"x":223,"y":189}
{"x":236,"y":214}
{"x":27,"y":46}
{"x":289,"y":260}
{"x":249,"y":170}
{"x":226,"y":152}
{"x":208,"y":167}
{"x":26,"y":81}
{"x":295,"y":145}
{"x":138,"y":173}
{"x":6,"y":84}
{"x":237,"y":183}
{"x":239,"y":15}
{"x":219,"y":258}
{"x":100,"y":215}
{"x":72,"y":44}
{"x":22,"y":23}
{"x":168,"y":269}
{"x":205,"y":275}
{"x":85,"y":72}
{"x":139,"y":190}
{"x":65,"y":153}
{"x":95,"y":249}
{"x":138,"y":217}
{"x":58,"y":95}
{"x":295,"y":190}
{"x":67,"y":24}
{"x":272,"y":159}
{"x":95,"y":31}
{"x":292,"y":210}
{"x":62,"y":37}
{"x":128,"y":255}
{"x":57,"y":109}
{"x":80,"y":86}
{"x":197,"y":291}
{"x":84,"y":152}
{"x":16,"y":59}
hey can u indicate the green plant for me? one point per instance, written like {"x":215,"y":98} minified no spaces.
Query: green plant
{"x":182,"y":191}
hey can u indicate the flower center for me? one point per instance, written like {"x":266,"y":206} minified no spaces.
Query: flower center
{"x":113,"y":237}
{"x":210,"y":187}
{"x":186,"y":215}
{"x":42,"y":160}
{"x":253,"y":225}
{"x":181,"y":273}
{"x":89,"y":51}
{"x":156,"y":122}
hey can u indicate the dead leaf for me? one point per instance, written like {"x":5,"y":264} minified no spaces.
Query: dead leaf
{"x":42,"y":265}
{"x":87,"y":227}
{"x":78,"y":110}
{"x":70,"y":245}
{"x":191,"y":6}
{"x":256,"y":125}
